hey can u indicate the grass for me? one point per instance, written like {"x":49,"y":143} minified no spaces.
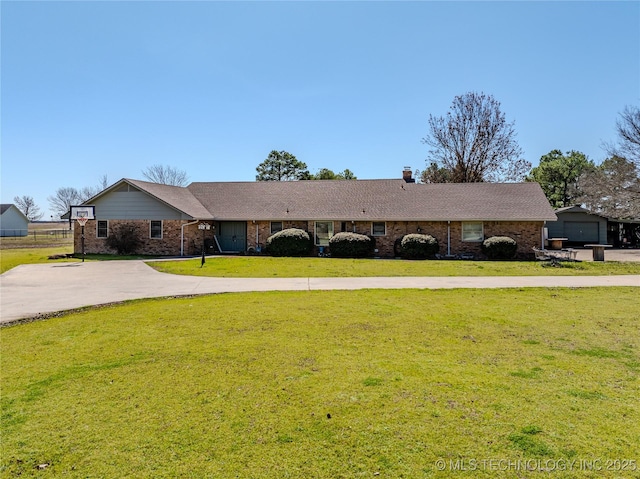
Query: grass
{"x":41,"y":235}
{"x":10,"y":258}
{"x":43,"y":240}
{"x":268,"y":267}
{"x":326,"y":385}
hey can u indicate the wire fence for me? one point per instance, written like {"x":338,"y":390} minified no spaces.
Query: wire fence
{"x":35,"y":235}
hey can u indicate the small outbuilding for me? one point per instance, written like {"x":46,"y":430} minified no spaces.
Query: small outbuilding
{"x":13,"y":222}
{"x":579,"y":226}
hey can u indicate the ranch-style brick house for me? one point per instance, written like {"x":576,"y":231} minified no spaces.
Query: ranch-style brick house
{"x":242,"y":215}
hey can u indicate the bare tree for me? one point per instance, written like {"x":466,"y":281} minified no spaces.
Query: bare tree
{"x":28,"y":206}
{"x":475,"y":142}
{"x":628,"y":129}
{"x":90,"y":191}
{"x":612,"y":189}
{"x":67,"y":197}
{"x":165,"y":175}
{"x":63,"y":199}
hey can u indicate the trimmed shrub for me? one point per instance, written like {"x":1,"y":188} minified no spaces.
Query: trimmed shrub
{"x":499,"y":247}
{"x":397,"y":247}
{"x":416,"y":246}
{"x":351,"y":245}
{"x":124,"y":238}
{"x":289,"y":242}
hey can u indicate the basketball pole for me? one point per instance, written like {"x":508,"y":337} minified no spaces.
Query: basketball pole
{"x":82,"y":215}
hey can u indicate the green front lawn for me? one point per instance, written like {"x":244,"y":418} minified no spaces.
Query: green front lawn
{"x":328,"y":385}
{"x":268,"y":267}
{"x":10,"y":258}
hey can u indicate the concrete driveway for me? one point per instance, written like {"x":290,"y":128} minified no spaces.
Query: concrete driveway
{"x":28,"y":291}
{"x":622,"y":254}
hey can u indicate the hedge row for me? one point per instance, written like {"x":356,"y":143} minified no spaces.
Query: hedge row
{"x":297,"y":242}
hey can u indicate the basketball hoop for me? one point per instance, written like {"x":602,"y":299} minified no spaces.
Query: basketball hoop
{"x":82,"y":214}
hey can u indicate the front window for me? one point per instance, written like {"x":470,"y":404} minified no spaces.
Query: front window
{"x":276,"y":226}
{"x":472,"y":231}
{"x":378,"y":228}
{"x":324,"y":232}
{"x":156,"y":229}
{"x":103,"y":227}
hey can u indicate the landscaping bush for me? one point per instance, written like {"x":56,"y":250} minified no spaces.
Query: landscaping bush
{"x":351,"y":245}
{"x":124,"y":238}
{"x":289,"y":242}
{"x":499,"y":247}
{"x":397,"y":247}
{"x":417,"y":246}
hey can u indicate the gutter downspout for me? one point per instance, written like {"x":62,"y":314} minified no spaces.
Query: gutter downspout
{"x":182,"y":235}
{"x":448,"y":238}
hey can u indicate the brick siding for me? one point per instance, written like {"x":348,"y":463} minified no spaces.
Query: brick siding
{"x":168,"y":245}
{"x":526,"y":234}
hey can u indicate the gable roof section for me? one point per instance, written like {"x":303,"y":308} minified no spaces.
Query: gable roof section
{"x":572,"y":209}
{"x":176,"y":197}
{"x":4,"y":207}
{"x":577,"y":209}
{"x":371,"y":200}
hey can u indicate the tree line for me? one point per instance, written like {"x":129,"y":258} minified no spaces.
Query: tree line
{"x":473,"y":142}
{"x":283,"y":166}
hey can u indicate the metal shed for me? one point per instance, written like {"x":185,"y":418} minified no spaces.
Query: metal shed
{"x":12,"y":221}
{"x":579,"y":226}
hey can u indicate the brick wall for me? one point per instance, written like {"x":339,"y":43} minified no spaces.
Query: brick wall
{"x":526,"y":234}
{"x":168,"y":245}
{"x":263,"y":231}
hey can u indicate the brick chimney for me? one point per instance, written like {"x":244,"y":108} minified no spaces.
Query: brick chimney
{"x":406,"y":175}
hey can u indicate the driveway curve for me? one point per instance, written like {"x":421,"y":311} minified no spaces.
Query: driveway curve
{"x":29,"y":291}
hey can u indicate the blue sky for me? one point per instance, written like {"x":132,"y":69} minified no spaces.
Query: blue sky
{"x":109,"y":88}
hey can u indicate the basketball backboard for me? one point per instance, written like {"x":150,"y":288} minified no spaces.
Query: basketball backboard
{"x":83,"y":212}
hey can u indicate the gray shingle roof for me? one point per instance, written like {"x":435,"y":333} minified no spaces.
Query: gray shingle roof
{"x":373,"y":200}
{"x":178,"y":197}
{"x":346,"y":200}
